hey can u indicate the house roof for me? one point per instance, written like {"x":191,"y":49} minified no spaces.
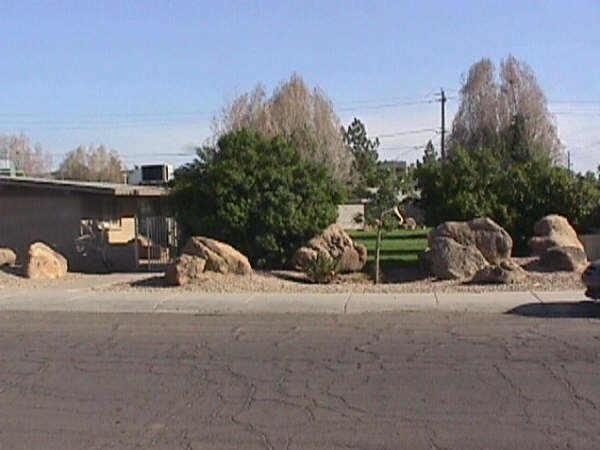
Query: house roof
{"x":115,"y":189}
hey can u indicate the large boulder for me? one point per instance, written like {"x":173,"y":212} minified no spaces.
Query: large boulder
{"x":334,"y":243}
{"x":557,"y":245}
{"x":567,"y":259}
{"x":45,"y":263}
{"x":201,"y":254}
{"x":449,"y":259}
{"x":459,"y":250}
{"x":7,"y":257}
{"x":220,"y":257}
{"x":553,"y":231}
{"x":494,"y":243}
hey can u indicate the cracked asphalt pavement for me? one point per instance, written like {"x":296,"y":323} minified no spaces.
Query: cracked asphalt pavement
{"x":438,"y":380}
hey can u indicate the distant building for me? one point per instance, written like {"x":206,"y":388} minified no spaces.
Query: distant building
{"x":400,"y":167}
{"x":7,"y":166}
{"x":155,"y":174}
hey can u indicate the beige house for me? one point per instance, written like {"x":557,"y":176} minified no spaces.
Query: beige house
{"x":96,"y":226}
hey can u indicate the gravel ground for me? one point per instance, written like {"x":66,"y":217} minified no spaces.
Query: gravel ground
{"x":273,"y":282}
{"x":12,"y":279}
{"x":402,"y":280}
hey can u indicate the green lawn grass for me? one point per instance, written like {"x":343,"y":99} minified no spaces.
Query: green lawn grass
{"x":398,"y":247}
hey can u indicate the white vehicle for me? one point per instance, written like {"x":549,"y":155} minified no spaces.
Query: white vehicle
{"x":591,"y":279}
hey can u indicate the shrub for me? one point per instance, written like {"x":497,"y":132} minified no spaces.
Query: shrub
{"x":323,"y":269}
{"x":514,"y":193}
{"x":257,"y":194}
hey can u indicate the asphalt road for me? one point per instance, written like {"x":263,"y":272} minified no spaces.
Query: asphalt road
{"x":397,"y":380}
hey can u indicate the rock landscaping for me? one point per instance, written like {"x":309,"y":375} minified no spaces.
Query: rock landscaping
{"x":202,"y":254}
{"x":335,"y":244}
{"x":479,"y":250}
{"x":7,"y":257}
{"x":45,"y":263}
{"x":557,"y":245}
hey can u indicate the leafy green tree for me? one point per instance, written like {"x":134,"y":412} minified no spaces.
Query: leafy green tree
{"x":258,"y":194}
{"x":513,"y":190}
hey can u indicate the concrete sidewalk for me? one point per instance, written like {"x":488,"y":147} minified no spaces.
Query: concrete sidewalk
{"x":172,"y":301}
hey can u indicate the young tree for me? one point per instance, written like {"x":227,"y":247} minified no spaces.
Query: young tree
{"x":92,"y":164}
{"x":256,"y":193}
{"x":491,"y":107}
{"x":32,"y":161}
{"x":294,"y":111}
{"x":364,"y":150}
{"x":429,"y":155}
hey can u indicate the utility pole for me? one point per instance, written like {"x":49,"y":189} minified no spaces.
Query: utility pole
{"x":569,"y":160}
{"x":443,"y":130}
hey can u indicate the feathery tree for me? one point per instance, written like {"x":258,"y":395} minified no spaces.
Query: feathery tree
{"x":92,"y":164}
{"x":492,"y":108}
{"x":295,"y":112}
{"x":32,"y":161}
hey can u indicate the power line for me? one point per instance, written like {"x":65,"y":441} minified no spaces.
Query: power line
{"x":387,"y":105}
{"x":576,"y":102}
{"x":406,"y":132}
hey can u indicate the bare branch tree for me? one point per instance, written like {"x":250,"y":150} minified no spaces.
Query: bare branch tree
{"x":476,"y":123}
{"x":92,"y":164}
{"x":522,"y":96}
{"x":490,"y":105}
{"x":33,"y":161}
{"x":303,"y":115}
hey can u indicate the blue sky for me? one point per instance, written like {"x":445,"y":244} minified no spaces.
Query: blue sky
{"x":145,"y":78}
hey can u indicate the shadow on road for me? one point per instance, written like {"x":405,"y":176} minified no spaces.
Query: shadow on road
{"x":572,"y":310}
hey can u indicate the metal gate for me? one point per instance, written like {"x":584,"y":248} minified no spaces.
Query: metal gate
{"x":157,"y":238}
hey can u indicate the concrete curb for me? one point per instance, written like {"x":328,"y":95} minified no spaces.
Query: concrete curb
{"x":95,"y":301}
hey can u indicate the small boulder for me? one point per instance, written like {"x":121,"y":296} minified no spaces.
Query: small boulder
{"x":507,"y":272}
{"x":553,"y":231}
{"x":183,"y":269}
{"x":568,"y":259}
{"x":220,"y":257}
{"x":7,"y":257}
{"x":335,"y":243}
{"x":45,"y":263}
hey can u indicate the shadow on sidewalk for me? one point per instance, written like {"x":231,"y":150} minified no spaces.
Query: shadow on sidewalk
{"x":569,"y":310}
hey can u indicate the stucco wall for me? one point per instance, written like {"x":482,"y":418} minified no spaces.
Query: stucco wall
{"x":54,"y":217}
